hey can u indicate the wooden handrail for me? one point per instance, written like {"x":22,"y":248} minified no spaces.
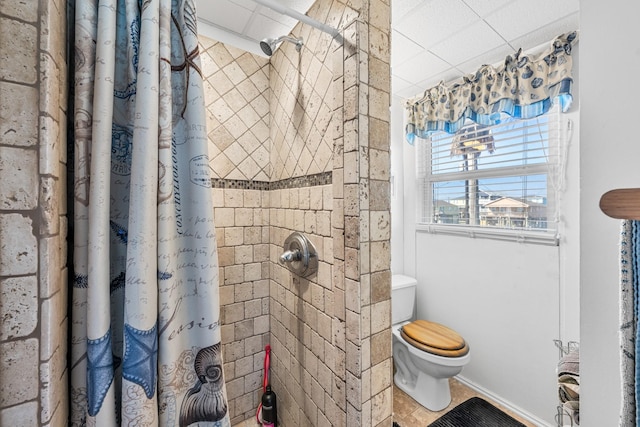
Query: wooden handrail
{"x":622,"y":203}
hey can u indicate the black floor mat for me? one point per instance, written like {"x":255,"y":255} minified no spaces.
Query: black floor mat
{"x":475,"y":412}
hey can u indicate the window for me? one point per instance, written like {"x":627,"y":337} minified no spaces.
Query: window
{"x":493,"y":178}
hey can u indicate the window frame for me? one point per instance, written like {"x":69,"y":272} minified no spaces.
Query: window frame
{"x":425,"y":180}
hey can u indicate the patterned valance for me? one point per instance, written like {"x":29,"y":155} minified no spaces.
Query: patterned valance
{"x":524,"y":86}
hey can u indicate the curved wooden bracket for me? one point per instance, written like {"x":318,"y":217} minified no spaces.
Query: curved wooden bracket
{"x":622,"y":203}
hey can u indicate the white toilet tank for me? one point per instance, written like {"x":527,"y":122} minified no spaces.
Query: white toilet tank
{"x":403,"y":298}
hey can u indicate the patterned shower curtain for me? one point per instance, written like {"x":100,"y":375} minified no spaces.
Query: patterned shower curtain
{"x":145,"y":335}
{"x":629,"y":330}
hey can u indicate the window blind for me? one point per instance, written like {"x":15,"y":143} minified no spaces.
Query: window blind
{"x":503,"y":176}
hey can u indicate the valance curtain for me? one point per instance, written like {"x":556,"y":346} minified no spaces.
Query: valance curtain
{"x":145,"y":339}
{"x":524,"y":86}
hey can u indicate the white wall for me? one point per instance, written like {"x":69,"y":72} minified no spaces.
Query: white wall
{"x":610,"y":153}
{"x":503,"y":298}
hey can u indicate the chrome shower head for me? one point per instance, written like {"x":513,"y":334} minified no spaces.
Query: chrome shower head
{"x":269,"y":45}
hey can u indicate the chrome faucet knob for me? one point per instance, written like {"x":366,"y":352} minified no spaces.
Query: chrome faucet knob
{"x":300,"y":256}
{"x":290,"y":256}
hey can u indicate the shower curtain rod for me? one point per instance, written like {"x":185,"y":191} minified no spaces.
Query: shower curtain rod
{"x":274,"y":5}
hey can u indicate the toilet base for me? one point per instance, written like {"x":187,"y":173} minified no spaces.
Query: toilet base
{"x":432,"y":393}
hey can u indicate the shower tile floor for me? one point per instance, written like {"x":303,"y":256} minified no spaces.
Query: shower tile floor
{"x":408,"y":413}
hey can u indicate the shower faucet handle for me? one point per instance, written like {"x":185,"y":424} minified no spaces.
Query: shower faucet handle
{"x":290,"y":256}
{"x":299,"y":256}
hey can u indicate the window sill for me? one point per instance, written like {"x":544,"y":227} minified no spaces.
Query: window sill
{"x":532,"y":237}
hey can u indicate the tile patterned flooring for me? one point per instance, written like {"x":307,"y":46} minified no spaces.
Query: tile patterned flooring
{"x":408,"y":413}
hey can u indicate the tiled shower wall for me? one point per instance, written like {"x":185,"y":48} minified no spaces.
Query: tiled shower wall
{"x":237,"y":101}
{"x":344,"y":379}
{"x":243,"y":254}
{"x":331,"y":333}
{"x":316,"y":160}
{"x":33,"y":218}
{"x":308,"y":315}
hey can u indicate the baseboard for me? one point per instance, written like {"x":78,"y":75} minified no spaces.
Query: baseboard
{"x":515,"y":409}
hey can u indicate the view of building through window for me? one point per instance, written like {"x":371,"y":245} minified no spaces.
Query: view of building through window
{"x":490,"y":202}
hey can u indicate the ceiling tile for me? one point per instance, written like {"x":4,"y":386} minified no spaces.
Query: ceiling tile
{"x":263,"y":26}
{"x":435,"y":21}
{"x":234,"y":17}
{"x":474,"y":40}
{"x":403,"y":48}
{"x":409,"y":92}
{"x":447,"y":76}
{"x":400,"y":8}
{"x":301,"y":6}
{"x":247,"y":4}
{"x":519,"y":18}
{"x":398,"y":84}
{"x":547,"y":33}
{"x":278,"y":17}
{"x":485,"y":7}
{"x":495,"y":57}
{"x":422,"y":66}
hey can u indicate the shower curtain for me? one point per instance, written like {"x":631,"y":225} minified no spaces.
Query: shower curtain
{"x":629,"y":330}
{"x":145,"y":335}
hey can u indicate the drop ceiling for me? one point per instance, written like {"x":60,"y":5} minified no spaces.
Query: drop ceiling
{"x":432,"y":40}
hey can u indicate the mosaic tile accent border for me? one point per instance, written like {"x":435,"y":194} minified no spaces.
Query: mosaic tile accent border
{"x":240,"y":184}
{"x":323,"y":178}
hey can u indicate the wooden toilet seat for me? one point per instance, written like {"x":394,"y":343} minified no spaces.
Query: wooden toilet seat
{"x":434,"y":338}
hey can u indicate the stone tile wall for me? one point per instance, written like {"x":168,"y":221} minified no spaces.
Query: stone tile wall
{"x":316,"y":161}
{"x":301,"y":102}
{"x":306,"y":330}
{"x":236,"y":96}
{"x":237,"y":101}
{"x":365,"y":176}
{"x":33,"y":215}
{"x":243,"y":254}
{"x":307,"y":315}
{"x":345,"y":378}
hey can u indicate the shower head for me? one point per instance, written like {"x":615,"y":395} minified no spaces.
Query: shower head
{"x":269,"y":45}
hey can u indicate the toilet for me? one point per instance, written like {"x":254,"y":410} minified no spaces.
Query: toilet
{"x":425,"y":354}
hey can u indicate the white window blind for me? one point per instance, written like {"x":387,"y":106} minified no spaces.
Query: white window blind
{"x":493,"y":179}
